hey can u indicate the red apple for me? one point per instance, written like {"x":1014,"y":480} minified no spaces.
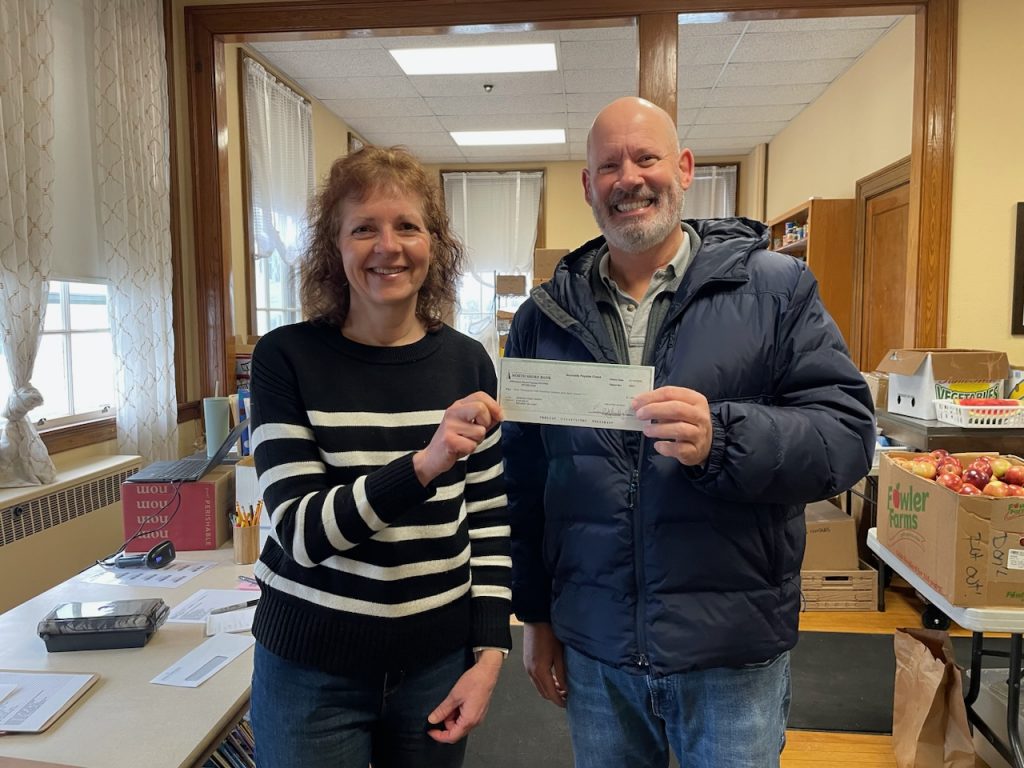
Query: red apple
{"x":1015,"y":474}
{"x":974,"y":478}
{"x":999,"y":466}
{"x":952,"y":481}
{"x":970,"y":490}
{"x":984,"y":458}
{"x":948,"y":467}
{"x":983,"y":469}
{"x":939,"y":454}
{"x":995,"y":488}
{"x":1014,"y":489}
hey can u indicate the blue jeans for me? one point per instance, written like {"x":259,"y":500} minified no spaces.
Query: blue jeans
{"x":714,"y":718}
{"x":305,"y":718}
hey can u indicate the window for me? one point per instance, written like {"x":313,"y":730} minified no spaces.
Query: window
{"x":75,"y":363}
{"x":712,"y":195}
{"x":279,"y":154}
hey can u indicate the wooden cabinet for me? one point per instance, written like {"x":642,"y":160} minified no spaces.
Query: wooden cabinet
{"x":827,"y":247}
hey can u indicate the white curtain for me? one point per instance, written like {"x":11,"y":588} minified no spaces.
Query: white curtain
{"x":279,"y":134}
{"x":132,"y":171}
{"x":495,"y":216}
{"x":712,"y":195}
{"x":26,"y":219}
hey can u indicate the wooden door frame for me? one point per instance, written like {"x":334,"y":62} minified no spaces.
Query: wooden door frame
{"x":878,"y":183}
{"x":207,"y":28}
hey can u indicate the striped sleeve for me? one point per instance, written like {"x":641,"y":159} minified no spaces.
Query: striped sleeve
{"x":490,"y":559}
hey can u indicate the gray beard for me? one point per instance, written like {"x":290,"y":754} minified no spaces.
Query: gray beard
{"x":639,"y":237}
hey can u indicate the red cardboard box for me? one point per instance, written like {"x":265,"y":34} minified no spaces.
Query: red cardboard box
{"x":200,"y":522}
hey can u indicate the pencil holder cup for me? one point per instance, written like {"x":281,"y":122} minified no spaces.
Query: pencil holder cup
{"x":246,"y":541}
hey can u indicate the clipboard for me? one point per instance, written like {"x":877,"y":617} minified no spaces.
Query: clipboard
{"x":40,"y":698}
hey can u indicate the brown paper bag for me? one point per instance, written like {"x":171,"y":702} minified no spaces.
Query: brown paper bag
{"x":929,"y":717}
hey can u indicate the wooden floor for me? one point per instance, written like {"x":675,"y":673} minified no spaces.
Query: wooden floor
{"x":814,"y":749}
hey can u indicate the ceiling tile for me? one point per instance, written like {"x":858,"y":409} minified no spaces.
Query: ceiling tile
{"x":357,"y":108}
{"x":780,"y":113}
{"x":302,"y":65}
{"x":334,"y":44}
{"x":689,"y":29}
{"x":581,"y":119}
{"x":588,"y":102}
{"x":582,"y":55}
{"x":706,"y":50}
{"x":828,"y":22}
{"x":368,"y":126}
{"x":732,"y":130}
{"x":624,"y":32}
{"x":790,"y":46}
{"x":619,"y":81}
{"x":359,"y":87}
{"x":503,"y":122}
{"x":508,"y":105}
{"x":555,"y":151}
{"x":726,"y":145}
{"x":758,"y":95}
{"x":503,"y":84}
{"x":693,"y":98}
{"x":784,"y":72}
{"x":686,"y":116}
{"x":699,"y":75}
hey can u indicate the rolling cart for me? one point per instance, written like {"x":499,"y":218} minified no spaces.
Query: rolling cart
{"x":979,"y":621}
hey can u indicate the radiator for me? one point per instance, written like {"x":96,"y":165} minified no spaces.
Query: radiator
{"x":49,"y":533}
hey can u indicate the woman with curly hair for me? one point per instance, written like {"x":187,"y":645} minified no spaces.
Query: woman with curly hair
{"x":383,"y":619}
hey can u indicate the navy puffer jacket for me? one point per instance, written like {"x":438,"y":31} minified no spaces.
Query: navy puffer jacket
{"x":645,"y":564}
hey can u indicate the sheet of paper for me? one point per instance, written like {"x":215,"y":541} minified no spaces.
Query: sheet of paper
{"x":202,"y":663}
{"x":6,"y":690}
{"x":196,"y":607}
{"x":174,"y":575}
{"x":572,"y":394}
{"x":232,"y":621}
{"x":37,"y":697}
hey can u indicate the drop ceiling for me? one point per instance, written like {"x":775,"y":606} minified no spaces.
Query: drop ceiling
{"x":740,"y":83}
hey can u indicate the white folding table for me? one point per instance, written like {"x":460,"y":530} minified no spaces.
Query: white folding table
{"x":979,"y":621}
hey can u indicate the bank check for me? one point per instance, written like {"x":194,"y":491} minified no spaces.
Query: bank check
{"x":572,"y":394}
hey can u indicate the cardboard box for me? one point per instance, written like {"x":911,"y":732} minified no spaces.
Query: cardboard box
{"x":545,"y":260}
{"x":878,"y":383}
{"x":510,"y":285}
{"x":967,"y":548}
{"x":855,"y":589}
{"x":919,"y":376}
{"x":831,"y":538}
{"x":198,"y":519}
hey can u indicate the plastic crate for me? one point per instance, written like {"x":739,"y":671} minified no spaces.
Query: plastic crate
{"x":987,"y":416}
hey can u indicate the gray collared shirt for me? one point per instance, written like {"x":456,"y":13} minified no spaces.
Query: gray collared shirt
{"x":634,"y":314}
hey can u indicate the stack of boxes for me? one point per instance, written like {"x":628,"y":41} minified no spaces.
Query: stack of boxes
{"x":832,"y":578}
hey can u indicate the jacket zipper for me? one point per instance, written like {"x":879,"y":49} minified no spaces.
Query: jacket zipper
{"x":639,"y":565}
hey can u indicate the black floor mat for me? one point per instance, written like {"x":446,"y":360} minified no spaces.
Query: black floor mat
{"x":841,"y":682}
{"x":844,"y":681}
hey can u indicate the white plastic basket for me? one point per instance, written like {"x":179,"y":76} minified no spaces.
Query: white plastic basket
{"x":987,"y":416}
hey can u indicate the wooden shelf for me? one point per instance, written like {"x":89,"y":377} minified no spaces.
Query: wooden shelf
{"x":828,"y":250}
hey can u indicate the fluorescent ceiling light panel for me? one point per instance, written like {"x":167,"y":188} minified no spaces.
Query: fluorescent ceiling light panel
{"x":476,"y":59}
{"x":500,"y":138}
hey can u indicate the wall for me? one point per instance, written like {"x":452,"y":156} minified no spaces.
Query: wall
{"x":988,"y":175}
{"x":856,"y":127}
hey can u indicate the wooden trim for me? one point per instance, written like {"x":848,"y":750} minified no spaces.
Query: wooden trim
{"x":1017,"y":321}
{"x":189,"y":411}
{"x":60,"y":439}
{"x":879,"y":182}
{"x":247,"y":234}
{"x":207,"y":27}
{"x":174,"y":187}
{"x":658,"y":45}
{"x":931,"y":175}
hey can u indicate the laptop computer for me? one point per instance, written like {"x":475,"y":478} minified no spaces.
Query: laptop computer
{"x":191,"y":468}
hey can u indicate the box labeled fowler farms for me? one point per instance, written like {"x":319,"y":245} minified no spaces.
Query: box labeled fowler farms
{"x":919,"y":376}
{"x":970,"y":549}
{"x":197,"y":518}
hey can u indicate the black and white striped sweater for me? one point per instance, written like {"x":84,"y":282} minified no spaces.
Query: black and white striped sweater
{"x":367,"y":570}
